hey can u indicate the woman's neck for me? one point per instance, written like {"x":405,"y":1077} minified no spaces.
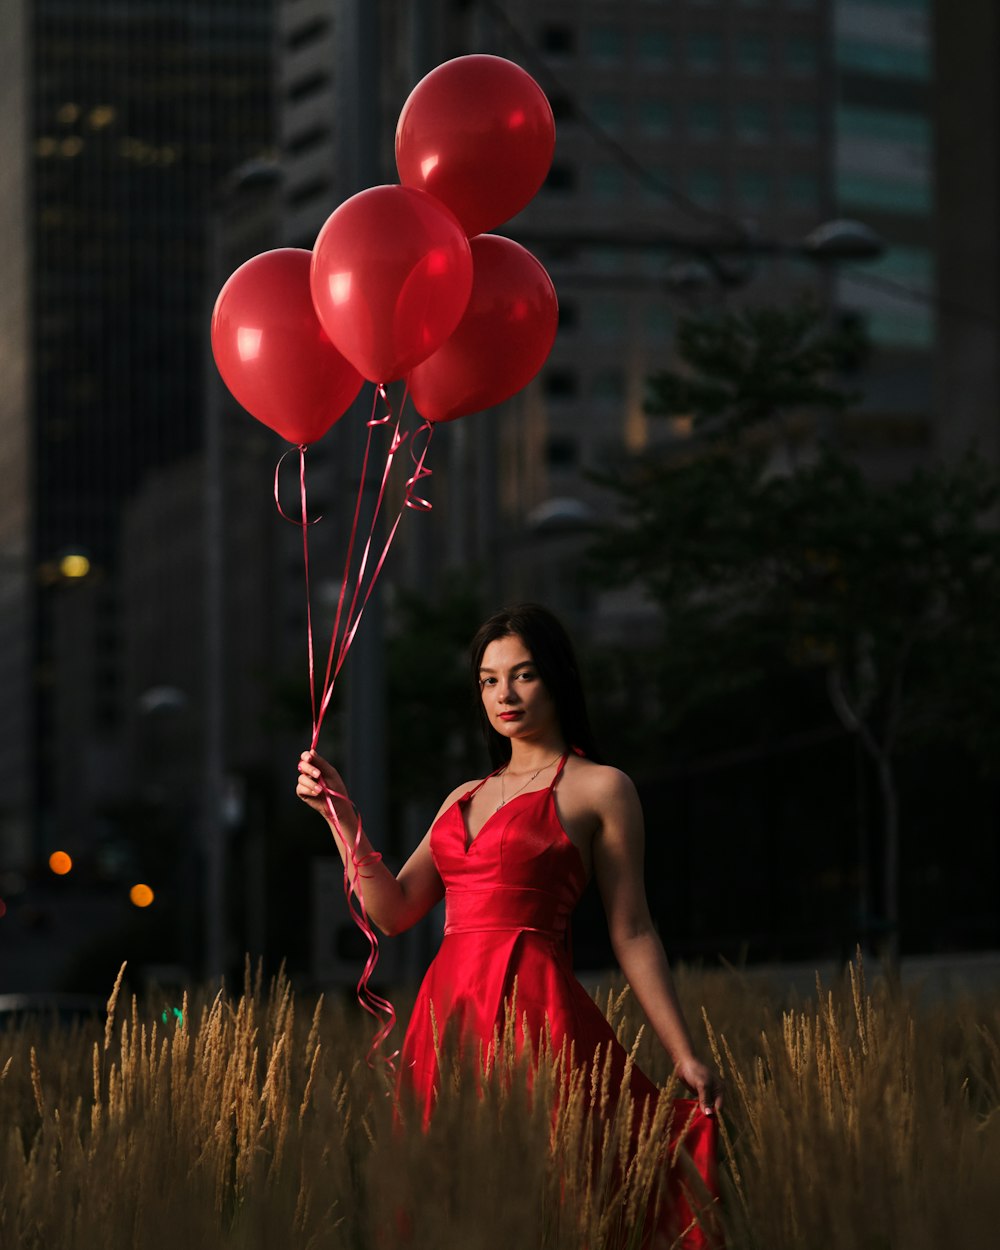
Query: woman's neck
{"x":529,"y":757}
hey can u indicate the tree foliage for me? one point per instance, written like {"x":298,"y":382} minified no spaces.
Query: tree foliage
{"x":770,"y":552}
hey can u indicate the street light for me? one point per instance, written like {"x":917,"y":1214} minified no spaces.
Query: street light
{"x":843,"y":240}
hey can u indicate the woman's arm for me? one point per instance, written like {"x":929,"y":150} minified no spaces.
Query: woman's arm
{"x":394,"y":903}
{"x":618,"y":866}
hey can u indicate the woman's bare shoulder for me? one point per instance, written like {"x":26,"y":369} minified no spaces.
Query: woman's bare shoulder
{"x":600,"y":783}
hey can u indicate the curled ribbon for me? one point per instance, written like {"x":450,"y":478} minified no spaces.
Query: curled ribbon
{"x":410,"y":500}
{"x":375,"y":1004}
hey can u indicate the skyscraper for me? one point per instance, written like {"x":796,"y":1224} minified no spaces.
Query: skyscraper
{"x":126,"y":121}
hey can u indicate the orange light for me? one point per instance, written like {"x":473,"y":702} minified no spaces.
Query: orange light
{"x":141,"y":895}
{"x":60,"y":863}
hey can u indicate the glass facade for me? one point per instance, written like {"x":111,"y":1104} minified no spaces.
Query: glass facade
{"x":753,"y":55}
{"x":138,"y":119}
{"x":704,"y":53}
{"x":704,"y":119}
{"x":655,"y":115}
{"x":605,"y":43}
{"x":868,"y":57}
{"x":884,"y":163}
{"x":139,"y":115}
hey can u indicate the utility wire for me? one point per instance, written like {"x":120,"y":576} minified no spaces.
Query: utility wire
{"x":735,"y":229}
{"x":893,"y":286}
{"x":642,"y":173}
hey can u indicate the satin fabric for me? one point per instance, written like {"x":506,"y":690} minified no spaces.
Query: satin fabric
{"x":509,"y":896}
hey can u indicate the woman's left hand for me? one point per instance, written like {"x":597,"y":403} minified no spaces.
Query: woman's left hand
{"x":705,"y":1082}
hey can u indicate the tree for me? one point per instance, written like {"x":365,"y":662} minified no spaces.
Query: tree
{"x":767,"y":551}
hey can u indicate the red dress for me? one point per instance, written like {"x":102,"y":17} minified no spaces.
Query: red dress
{"x":509,"y":895}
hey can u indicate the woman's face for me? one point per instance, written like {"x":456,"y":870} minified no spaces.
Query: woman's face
{"x":514,"y":697}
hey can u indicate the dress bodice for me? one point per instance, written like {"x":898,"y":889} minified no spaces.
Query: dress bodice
{"x":521,"y":871}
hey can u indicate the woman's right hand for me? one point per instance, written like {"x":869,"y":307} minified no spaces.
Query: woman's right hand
{"x":316,"y":777}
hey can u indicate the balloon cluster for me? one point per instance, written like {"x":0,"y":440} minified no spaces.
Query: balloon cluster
{"x":402,"y":281}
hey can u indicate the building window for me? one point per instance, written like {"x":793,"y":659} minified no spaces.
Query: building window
{"x":753,"y":122}
{"x":561,"y":452}
{"x":897,"y":320}
{"x":563,"y":108}
{"x":801,"y":56}
{"x":883,"y":126}
{"x":558,"y":40}
{"x":887,"y":194}
{"x":561,"y":179}
{"x":802,"y":191}
{"x":752,"y":55}
{"x":306,"y":140}
{"x":704,"y":53}
{"x":561,"y":384}
{"x":608,"y":384}
{"x":309,"y":191}
{"x":705,"y":186}
{"x":914,"y":329}
{"x":653,"y":47}
{"x":802,"y":122}
{"x":307,"y":34}
{"x":606,"y":43}
{"x":884,"y":61}
{"x":658,"y":320}
{"x":306,"y":87}
{"x":604,"y":259}
{"x":608,"y":111}
{"x":569,"y":317}
{"x":655,"y":115}
{"x":704,"y":119}
{"x":607,"y":181}
{"x":608,"y":317}
{"x":754,"y":188}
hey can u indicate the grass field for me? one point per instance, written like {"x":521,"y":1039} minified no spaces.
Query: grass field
{"x":855,"y":1119}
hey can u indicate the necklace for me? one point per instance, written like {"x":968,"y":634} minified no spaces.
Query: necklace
{"x":507,"y":798}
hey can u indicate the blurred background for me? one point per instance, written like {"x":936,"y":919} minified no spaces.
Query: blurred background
{"x":757,"y":476}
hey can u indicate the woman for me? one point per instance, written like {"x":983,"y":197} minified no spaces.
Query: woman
{"x":511,"y":855}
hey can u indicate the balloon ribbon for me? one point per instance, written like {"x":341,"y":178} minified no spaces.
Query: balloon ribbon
{"x":345,"y":628}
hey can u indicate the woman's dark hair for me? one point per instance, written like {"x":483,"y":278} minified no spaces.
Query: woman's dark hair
{"x":553,"y":656}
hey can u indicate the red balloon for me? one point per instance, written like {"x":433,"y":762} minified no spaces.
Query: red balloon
{"x":478,"y":133}
{"x":391,"y":275}
{"x":501,"y":342}
{"x":272,"y":352}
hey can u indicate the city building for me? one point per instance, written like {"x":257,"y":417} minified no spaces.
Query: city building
{"x":150,"y":149}
{"x":120,"y":125}
{"x":966,"y":43}
{"x":884,"y":172}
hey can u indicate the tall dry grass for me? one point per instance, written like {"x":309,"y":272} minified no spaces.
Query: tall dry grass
{"x":855,"y":1119}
